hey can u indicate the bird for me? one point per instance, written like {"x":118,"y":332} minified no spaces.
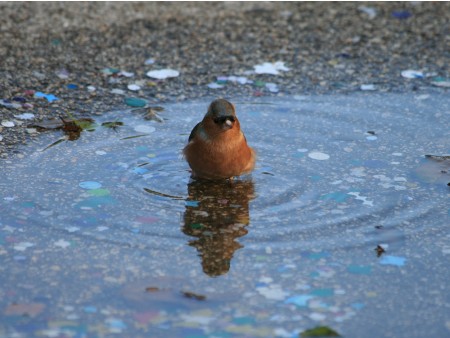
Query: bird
{"x":217,"y":147}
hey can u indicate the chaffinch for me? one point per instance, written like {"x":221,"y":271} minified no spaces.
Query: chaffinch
{"x":217,"y":147}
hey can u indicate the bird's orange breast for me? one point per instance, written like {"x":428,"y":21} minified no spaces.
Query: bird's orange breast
{"x":223,"y":156}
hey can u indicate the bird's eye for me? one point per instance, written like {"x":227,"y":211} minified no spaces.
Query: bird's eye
{"x":223,"y":119}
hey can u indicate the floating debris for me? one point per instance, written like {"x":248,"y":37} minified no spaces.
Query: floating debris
{"x":192,"y":295}
{"x":379,"y":250}
{"x":320,"y":331}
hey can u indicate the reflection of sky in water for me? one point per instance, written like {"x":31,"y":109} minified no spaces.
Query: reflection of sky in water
{"x":107,"y":234}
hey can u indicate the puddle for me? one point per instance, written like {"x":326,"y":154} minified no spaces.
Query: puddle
{"x":107,"y":235}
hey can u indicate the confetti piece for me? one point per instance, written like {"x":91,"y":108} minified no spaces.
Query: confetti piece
{"x":8,"y":124}
{"x":90,"y":185}
{"x":142,"y":128}
{"x":163,"y":74}
{"x":25,"y":116}
{"x":412,"y":74}
{"x":270,"y":68}
{"x":316,"y":155}
{"x":134,"y":87}
{"x":48,"y":97}
{"x":392,"y":260}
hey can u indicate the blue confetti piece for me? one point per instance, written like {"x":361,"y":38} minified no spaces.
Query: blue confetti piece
{"x":90,"y":185}
{"x":140,"y":170}
{"x":335,"y":196}
{"x":192,"y":203}
{"x":401,"y":14}
{"x":72,"y":86}
{"x":299,"y":300}
{"x":90,"y":309}
{"x":358,"y":306}
{"x":392,"y":260}
{"x":117,"y":324}
{"x":360,"y":269}
{"x":49,"y":97}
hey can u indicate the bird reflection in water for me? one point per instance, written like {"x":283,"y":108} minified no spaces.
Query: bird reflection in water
{"x":217,"y":213}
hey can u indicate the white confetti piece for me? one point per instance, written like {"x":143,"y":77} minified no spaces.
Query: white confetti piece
{"x":316,"y":155}
{"x":149,"y":61}
{"x":238,"y":79}
{"x":134,"y":87}
{"x":62,"y":243}
{"x":412,"y":74}
{"x":163,"y":73}
{"x":370,"y":11}
{"x":25,"y":116}
{"x":361,"y":198}
{"x":72,"y":229}
{"x":368,"y":87}
{"x":91,"y":88}
{"x":214,"y":85}
{"x":118,"y":91}
{"x":142,"y":128}
{"x":100,"y":152}
{"x":8,"y":124}
{"x":272,"y":87}
{"x":270,"y":68}
{"x":22,"y":246}
{"x":317,"y":316}
{"x":274,"y":292}
{"x":126,"y":74}
{"x":445,"y":84}
{"x":197,"y":319}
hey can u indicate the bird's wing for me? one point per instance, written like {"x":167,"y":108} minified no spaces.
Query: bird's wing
{"x":194,"y":131}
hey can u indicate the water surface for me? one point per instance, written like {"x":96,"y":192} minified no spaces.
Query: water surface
{"x":343,"y":223}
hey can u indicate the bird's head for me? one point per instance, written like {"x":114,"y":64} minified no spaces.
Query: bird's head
{"x":221,"y":116}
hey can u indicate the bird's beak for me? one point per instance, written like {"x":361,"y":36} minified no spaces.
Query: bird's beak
{"x":226,"y":122}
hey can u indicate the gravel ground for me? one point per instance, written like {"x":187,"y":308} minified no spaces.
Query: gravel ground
{"x":328,"y":47}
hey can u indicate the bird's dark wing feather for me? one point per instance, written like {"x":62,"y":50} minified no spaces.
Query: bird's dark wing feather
{"x":194,"y":131}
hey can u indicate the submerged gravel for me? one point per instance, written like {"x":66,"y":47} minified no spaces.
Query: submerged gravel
{"x":328,"y":47}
